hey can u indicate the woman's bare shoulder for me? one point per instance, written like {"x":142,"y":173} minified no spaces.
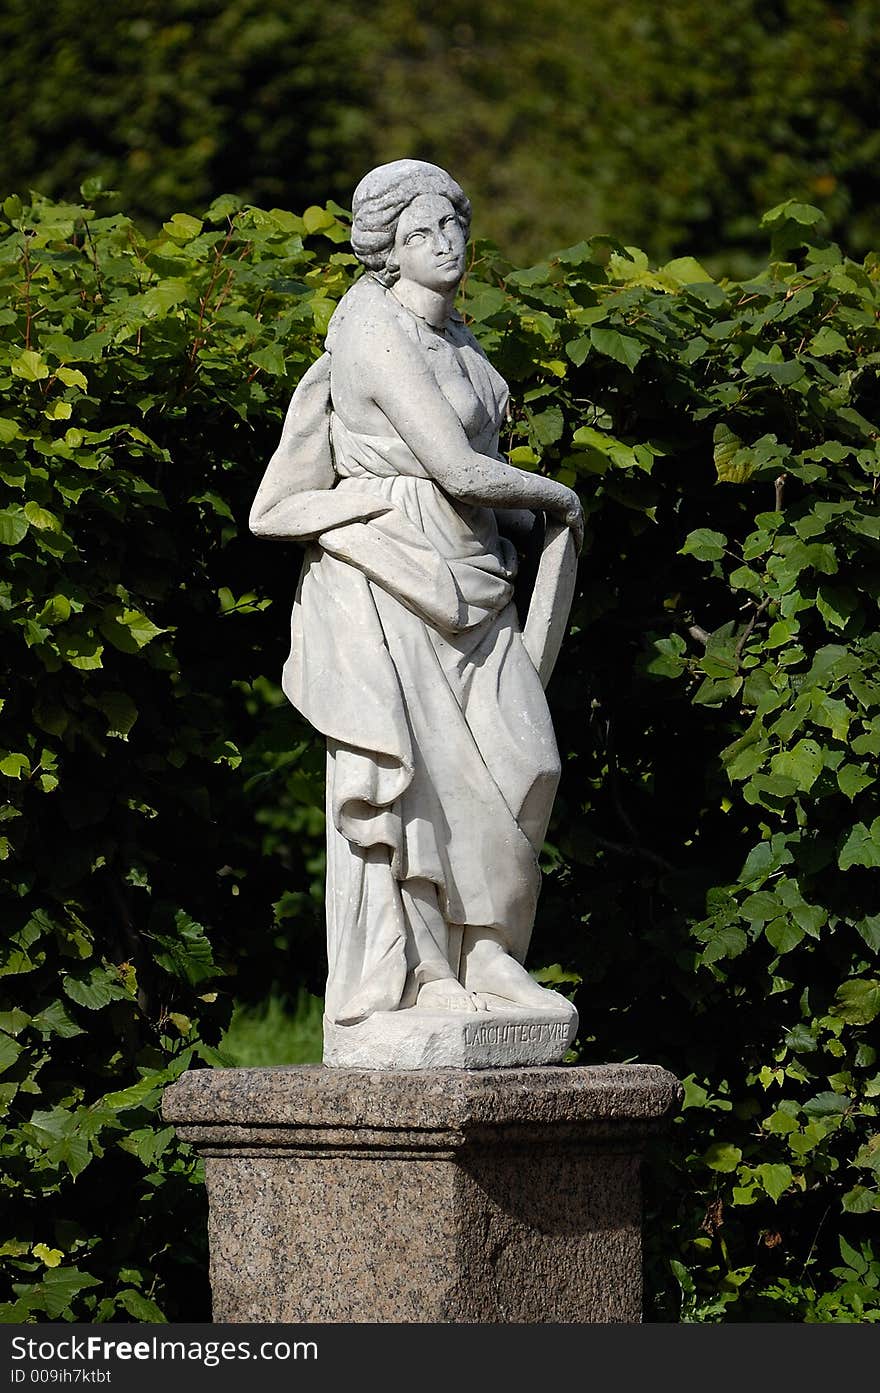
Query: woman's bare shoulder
{"x":364,"y":308}
{"x":368,"y":330}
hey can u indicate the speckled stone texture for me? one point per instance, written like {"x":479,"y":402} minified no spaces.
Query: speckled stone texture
{"x":435,"y":1195}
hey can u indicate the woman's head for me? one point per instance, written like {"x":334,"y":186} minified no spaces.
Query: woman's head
{"x":381,"y":197}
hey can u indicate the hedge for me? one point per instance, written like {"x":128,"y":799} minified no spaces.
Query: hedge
{"x":711,"y":865}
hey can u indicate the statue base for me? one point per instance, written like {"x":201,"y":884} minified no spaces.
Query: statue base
{"x":506,"y":1037}
{"x":489,"y":1196}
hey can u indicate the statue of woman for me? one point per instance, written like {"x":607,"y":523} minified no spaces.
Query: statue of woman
{"x":407,"y":652}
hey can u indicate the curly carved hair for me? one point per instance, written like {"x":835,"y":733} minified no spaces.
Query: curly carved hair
{"x":381,"y":197}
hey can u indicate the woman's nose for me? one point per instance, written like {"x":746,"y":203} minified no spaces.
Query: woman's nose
{"x":442,"y":241}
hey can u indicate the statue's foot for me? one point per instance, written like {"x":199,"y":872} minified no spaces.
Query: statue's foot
{"x":446,"y":994}
{"x":490,"y":971}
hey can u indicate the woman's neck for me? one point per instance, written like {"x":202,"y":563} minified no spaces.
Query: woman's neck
{"x":431,"y":305}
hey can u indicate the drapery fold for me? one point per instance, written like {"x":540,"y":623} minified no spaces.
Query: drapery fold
{"x":406,"y":654}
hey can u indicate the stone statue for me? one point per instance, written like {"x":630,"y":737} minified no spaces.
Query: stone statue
{"x":407,"y":652}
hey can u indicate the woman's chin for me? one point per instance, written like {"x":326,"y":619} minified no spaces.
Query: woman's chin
{"x":445,"y":279}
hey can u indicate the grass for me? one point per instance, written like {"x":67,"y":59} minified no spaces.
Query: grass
{"x":280,"y":1030}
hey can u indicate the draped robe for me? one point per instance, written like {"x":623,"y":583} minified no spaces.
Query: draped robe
{"x":406,"y":653}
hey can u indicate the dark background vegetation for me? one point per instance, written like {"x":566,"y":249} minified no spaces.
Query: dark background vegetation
{"x":674,"y":126}
{"x":711,"y":868}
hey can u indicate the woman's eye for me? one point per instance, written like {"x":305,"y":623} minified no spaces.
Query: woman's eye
{"x":414,"y":238}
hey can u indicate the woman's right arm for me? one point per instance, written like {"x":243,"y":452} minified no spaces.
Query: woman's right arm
{"x":378,"y":355}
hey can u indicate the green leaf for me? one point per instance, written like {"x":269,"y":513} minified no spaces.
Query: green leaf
{"x":668,"y":659}
{"x":50,"y":1257}
{"x":71,"y":1151}
{"x":81,"y":650}
{"x":852,"y":780}
{"x":861,"y":846}
{"x":30,"y":366}
{"x":825,"y":1105}
{"x":775,"y":1179}
{"x":722,"y":941}
{"x":13,"y":526}
{"x":783,"y":372}
{"x":41,"y":518}
{"x":9,"y":1051}
{"x":93,"y":990}
{"x":56,"y":610}
{"x":854,"y":1259}
{"x":182,"y":227}
{"x":271,"y":358}
{"x":556,"y":975}
{"x":686,"y":270}
{"x":59,"y":1287}
{"x":72,"y":377}
{"x":578,"y":349}
{"x":858,"y":1001}
{"x":165,"y":296}
{"x":55,"y":1019}
{"x":716,"y":690}
{"x":120,"y":711}
{"x":548,"y":425}
{"x":826,"y":342}
{"x":140,"y":1307}
{"x":722,"y":1156}
{"x":760,"y":908}
{"x":318,"y":219}
{"x":484,"y":300}
{"x":781,"y":1123}
{"x":523,"y":456}
{"x":802,"y":764}
{"x":13,"y":1022}
{"x":621,"y":347}
{"x":218,"y":505}
{"x":52,"y":1124}
{"x":225,"y":207}
{"x":763,"y":860}
{"x":810,"y":917}
{"x":129,"y":630}
{"x":836,"y":605}
{"x":14,"y":766}
{"x":783,"y":934}
{"x":733,"y":462}
{"x":704,"y":544}
{"x":188,"y":955}
{"x":744,"y":757}
{"x":792,"y":211}
{"x":869,"y":928}
{"x":137,"y":1093}
{"x":860,"y":1200}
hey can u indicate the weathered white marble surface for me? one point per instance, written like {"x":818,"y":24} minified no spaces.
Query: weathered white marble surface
{"x":412,"y":1038}
{"x":407,"y":653}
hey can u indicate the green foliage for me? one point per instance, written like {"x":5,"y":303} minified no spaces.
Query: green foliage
{"x":168,"y":101}
{"x":711,"y":864}
{"x":675,"y":125}
{"x":143,"y":382}
{"x":717,"y":824}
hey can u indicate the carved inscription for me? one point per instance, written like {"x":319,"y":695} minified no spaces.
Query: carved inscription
{"x":511,"y":1031}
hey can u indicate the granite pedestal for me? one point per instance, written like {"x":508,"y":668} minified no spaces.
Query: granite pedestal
{"x":437,"y":1195}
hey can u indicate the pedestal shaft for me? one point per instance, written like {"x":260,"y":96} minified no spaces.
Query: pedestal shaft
{"x":488,"y":1196}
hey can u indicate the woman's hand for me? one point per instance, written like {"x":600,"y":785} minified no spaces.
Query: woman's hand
{"x":567,"y":507}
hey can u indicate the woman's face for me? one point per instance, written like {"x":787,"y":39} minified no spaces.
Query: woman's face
{"x":429,"y":246}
